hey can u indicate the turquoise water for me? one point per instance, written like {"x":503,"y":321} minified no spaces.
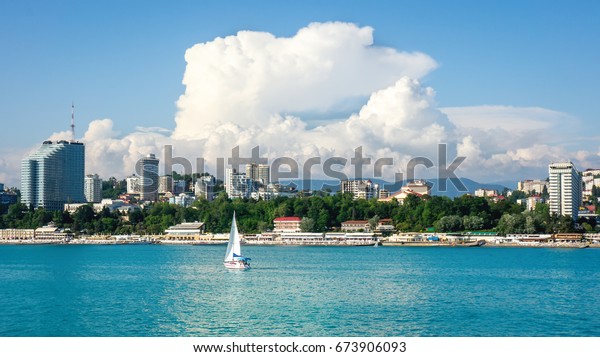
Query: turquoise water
{"x":298,"y":291}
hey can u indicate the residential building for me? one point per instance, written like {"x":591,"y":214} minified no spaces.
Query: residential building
{"x":147,"y":168}
{"x":590,"y":178}
{"x":258,"y":173}
{"x":179,"y":186}
{"x":133,"y":185}
{"x":237,"y":184}
{"x":356,"y":226}
{"x":92,"y":188}
{"x":205,"y":187}
{"x":532,"y":186}
{"x":53,"y":175}
{"x":183,"y":199}
{"x":287,"y":225}
{"x":418,"y":188}
{"x":564,"y":189}
{"x":483,"y":192}
{"x":165,"y":184}
{"x":6,"y":197}
{"x":364,"y":189}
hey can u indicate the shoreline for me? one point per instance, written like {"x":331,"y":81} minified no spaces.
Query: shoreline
{"x":30,"y":242}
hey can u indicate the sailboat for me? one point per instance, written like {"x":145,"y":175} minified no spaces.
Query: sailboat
{"x":234,"y":258}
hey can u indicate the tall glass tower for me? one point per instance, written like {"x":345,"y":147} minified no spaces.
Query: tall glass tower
{"x":53,"y":175}
{"x":147,"y":168}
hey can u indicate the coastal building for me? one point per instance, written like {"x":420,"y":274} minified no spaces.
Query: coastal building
{"x":165,"y":184}
{"x":185,"y":231}
{"x":205,"y":187}
{"x":258,"y":173}
{"x":183,"y":199}
{"x":16,"y":233}
{"x":420,"y":187}
{"x":147,"y":168}
{"x":416,"y":187}
{"x":287,"y":225}
{"x":564,"y":189}
{"x":590,"y":178}
{"x":356,"y":226}
{"x":179,"y":186}
{"x":7,"y":197}
{"x":532,"y":186}
{"x":483,"y":192}
{"x":53,"y":175}
{"x":133,"y":185}
{"x":237,"y":184}
{"x":92,"y":188}
{"x":360,"y":189}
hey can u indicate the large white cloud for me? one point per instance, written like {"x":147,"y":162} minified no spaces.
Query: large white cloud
{"x":247,"y":78}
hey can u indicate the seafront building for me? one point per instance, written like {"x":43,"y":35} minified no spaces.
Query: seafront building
{"x":590,"y":178}
{"x":6,"y":197}
{"x":483,"y":192}
{"x":92,"y":188}
{"x":147,"y":168}
{"x":237,"y":184}
{"x":287,"y":225}
{"x":532,"y":186}
{"x":205,"y":187}
{"x":360,"y":189}
{"x":258,"y":173}
{"x":185,"y":231}
{"x":165,"y":184}
{"x":53,"y":175}
{"x":417,"y":187}
{"x":133,"y":185}
{"x":564,"y":189}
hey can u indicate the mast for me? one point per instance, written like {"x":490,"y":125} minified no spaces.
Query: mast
{"x":72,"y":121}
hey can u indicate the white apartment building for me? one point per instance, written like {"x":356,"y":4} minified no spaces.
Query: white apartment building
{"x":92,"y":188}
{"x":564,"y":189}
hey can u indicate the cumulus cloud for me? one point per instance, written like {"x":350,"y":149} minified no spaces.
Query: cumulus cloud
{"x":247,"y":78}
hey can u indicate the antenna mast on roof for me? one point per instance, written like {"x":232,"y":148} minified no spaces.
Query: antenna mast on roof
{"x":72,"y":121}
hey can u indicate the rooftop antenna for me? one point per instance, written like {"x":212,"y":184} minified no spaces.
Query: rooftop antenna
{"x":72,"y":121}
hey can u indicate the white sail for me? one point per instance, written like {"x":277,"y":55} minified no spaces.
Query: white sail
{"x":233,"y":247}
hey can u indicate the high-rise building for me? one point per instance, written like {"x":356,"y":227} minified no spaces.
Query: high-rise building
{"x":364,"y":189}
{"x":147,"y":168}
{"x":53,"y":175}
{"x":564,"y":189}
{"x":133,"y":185}
{"x":258,"y":173}
{"x":165,"y":184}
{"x":92,"y":188}
{"x":237,"y":184}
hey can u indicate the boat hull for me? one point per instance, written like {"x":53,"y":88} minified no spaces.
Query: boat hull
{"x":236,"y":265}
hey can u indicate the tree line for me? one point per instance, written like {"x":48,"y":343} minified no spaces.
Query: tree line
{"x":320,"y":213}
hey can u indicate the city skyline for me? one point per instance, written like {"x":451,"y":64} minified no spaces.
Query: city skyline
{"x":509,"y":87}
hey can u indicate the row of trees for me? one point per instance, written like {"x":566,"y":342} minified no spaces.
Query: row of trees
{"x":320,"y":213}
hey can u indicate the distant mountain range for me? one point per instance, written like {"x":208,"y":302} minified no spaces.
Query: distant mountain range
{"x":451,"y":190}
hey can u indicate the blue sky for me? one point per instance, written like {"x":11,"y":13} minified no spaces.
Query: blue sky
{"x":125,"y":60}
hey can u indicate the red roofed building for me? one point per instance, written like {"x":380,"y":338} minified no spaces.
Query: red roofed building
{"x":287,"y":224}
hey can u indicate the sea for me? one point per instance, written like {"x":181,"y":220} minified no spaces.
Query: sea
{"x":165,"y":290}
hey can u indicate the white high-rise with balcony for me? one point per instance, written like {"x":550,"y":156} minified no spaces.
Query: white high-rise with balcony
{"x":53,"y":175}
{"x":564,"y":189}
{"x":92,"y":187}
